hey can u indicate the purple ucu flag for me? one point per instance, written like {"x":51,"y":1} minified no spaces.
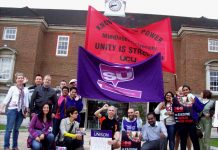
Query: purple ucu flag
{"x":98,"y":79}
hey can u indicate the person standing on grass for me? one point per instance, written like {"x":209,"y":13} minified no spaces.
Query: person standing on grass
{"x":205,"y":121}
{"x":18,"y":103}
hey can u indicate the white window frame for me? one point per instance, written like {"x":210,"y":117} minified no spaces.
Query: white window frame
{"x":12,"y":57}
{"x":2,"y":97}
{"x":58,"y":42}
{"x":5,"y":33}
{"x":213,"y":45}
{"x":209,"y":68}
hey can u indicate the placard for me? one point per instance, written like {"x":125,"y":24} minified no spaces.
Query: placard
{"x":215,"y":122}
{"x":131,"y":140}
{"x":99,"y":139}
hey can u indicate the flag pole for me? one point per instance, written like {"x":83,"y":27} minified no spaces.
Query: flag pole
{"x":175,"y":80}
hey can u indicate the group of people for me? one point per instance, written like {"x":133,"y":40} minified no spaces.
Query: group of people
{"x":54,"y":114}
{"x":57,"y":119}
{"x":180,"y":115}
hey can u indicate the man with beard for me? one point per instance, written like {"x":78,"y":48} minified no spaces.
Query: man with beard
{"x":131,"y":123}
{"x":154,"y":133}
{"x":130,"y":126}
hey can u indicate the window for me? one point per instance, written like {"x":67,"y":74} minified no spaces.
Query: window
{"x":2,"y":97}
{"x":62,"y":46}
{"x":214,"y":80}
{"x":9,"y":33}
{"x":212,"y":76}
{"x":213,"y":45}
{"x":7,"y":61}
{"x":5,"y":65}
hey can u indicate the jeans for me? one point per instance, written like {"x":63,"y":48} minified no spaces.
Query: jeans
{"x":171,"y":131}
{"x":14,"y":121}
{"x":185,"y":129}
{"x":46,"y":143}
{"x":56,"y":126}
{"x":160,"y":144}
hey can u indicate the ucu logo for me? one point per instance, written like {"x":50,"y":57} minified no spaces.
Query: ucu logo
{"x":116,"y":74}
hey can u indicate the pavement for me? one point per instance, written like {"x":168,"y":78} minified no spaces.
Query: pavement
{"x":24,"y":134}
{"x":22,"y":141}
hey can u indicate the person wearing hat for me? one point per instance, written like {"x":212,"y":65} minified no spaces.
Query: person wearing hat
{"x":73,"y":83}
{"x":82,"y":114}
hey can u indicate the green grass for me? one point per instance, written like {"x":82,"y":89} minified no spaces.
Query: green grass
{"x":214,"y":142}
{"x":3,"y":127}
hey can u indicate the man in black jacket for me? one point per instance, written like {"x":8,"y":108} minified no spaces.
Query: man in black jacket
{"x":42,"y":94}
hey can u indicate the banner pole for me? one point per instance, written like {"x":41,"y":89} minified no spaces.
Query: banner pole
{"x":175,"y":80}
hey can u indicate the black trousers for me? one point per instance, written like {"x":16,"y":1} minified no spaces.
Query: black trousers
{"x":72,"y":144}
{"x":185,"y":129}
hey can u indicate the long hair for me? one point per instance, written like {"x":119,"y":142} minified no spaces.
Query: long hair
{"x":41,"y":114}
{"x":165,"y":100}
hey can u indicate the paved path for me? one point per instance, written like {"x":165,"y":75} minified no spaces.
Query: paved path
{"x":23,"y":137}
{"x":22,"y":142}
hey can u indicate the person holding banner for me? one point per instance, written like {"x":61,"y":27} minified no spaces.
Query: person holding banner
{"x":167,"y":116}
{"x":154,"y":133}
{"x":205,"y":121}
{"x":131,"y":130}
{"x":186,"y":116}
{"x":179,"y":95}
{"x":110,"y":123}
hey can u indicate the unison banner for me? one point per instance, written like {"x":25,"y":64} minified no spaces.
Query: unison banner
{"x":117,"y":44}
{"x":99,"y":139}
{"x":99,"y":79}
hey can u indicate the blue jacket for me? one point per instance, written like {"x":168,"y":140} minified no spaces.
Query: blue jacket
{"x":70,"y":102}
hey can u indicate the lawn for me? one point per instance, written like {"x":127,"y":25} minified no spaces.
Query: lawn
{"x":214,"y":142}
{"x":2,"y":127}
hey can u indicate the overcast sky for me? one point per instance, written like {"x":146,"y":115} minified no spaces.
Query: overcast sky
{"x":189,"y":8}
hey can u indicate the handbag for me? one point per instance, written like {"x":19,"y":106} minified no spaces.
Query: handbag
{"x":199,"y":132}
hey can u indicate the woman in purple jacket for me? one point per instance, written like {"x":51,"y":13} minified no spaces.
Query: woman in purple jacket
{"x":40,"y":130}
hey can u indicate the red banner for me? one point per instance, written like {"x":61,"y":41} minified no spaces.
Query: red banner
{"x":121,"y":45}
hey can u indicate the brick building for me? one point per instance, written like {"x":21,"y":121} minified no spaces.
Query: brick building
{"x":45,"y":41}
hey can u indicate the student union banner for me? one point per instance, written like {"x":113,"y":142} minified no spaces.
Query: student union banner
{"x":99,"y":79}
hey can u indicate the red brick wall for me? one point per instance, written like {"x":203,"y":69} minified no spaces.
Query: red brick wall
{"x":36,"y":53}
{"x":26,"y":45}
{"x":61,"y":67}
